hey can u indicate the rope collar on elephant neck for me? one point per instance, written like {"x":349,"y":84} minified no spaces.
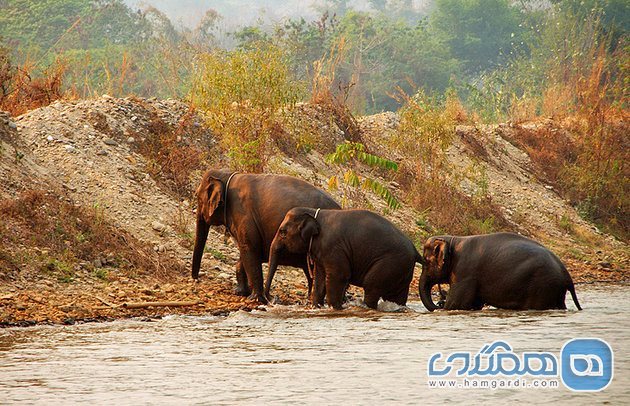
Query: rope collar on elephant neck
{"x":225,"y":203}
{"x":309,"y":258}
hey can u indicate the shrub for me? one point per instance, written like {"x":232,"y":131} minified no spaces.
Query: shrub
{"x":171,"y":159}
{"x":242,"y":94}
{"x":24,"y":88}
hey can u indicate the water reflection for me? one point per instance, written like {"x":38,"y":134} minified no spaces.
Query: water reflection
{"x":290,"y":354}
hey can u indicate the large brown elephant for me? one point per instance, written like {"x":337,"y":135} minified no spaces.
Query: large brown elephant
{"x":504,"y":270}
{"x":354,"y":247}
{"x":252,"y":206}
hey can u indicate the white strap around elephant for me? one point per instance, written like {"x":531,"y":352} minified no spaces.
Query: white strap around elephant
{"x":225,"y":202}
{"x":309,"y":258}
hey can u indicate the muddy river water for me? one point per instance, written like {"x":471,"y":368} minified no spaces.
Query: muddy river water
{"x":299,"y":355}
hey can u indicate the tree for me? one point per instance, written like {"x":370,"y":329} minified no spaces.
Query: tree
{"x":479,"y":32}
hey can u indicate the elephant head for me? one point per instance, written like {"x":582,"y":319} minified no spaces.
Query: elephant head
{"x":434,"y":271}
{"x":210,"y":195}
{"x":293,"y":236}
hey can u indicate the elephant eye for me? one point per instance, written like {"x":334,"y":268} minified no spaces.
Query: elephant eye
{"x":283,"y":232}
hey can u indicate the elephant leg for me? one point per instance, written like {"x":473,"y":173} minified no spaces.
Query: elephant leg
{"x":400,"y":291}
{"x":545,"y":297}
{"x":253,"y":269}
{"x":478,"y":304}
{"x":370,"y":298}
{"x":399,"y":297}
{"x":242,"y":286}
{"x":461,"y":296}
{"x":319,"y":287}
{"x":335,"y":290}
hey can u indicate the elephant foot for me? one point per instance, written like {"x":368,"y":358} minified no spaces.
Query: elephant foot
{"x":258,"y":296}
{"x":241,"y":291}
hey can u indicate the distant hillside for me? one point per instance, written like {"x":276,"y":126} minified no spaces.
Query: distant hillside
{"x":235,"y":13}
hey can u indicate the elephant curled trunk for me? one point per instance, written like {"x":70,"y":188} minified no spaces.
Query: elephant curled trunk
{"x":200,"y":242}
{"x":424,"y":288}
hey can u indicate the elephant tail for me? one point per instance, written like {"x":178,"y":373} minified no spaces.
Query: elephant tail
{"x":574,"y":296}
{"x":571,"y":289}
{"x":419,"y":258}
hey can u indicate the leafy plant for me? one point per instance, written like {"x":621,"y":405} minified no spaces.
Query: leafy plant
{"x":353,"y":153}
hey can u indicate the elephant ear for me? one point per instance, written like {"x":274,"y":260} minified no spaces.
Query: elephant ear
{"x":209,"y":195}
{"x":308,"y":228}
{"x":439,"y":252}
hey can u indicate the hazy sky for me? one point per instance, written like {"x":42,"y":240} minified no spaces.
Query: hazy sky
{"x":244,"y":12}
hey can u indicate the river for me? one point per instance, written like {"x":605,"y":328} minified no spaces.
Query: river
{"x":298,"y":355}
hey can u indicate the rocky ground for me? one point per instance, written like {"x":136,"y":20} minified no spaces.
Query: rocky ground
{"x":88,"y":154}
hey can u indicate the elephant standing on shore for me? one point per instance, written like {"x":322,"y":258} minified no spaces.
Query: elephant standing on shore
{"x":504,"y":270}
{"x":354,"y":247}
{"x":251,"y":207}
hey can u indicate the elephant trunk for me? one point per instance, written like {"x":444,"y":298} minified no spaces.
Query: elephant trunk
{"x":425,"y":286}
{"x":274,"y":252}
{"x":200,"y":243}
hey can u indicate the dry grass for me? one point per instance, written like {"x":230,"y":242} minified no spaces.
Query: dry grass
{"x":22,"y":88}
{"x":426,"y":132}
{"x":172,"y":160}
{"x":550,"y":149}
{"x":332,"y":95}
{"x":44,"y":233}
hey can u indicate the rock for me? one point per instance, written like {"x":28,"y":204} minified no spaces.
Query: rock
{"x":12,"y":125}
{"x":605,"y":264}
{"x":131,"y":140}
{"x":70,"y":187}
{"x":50,"y":138}
{"x":70,"y":148}
{"x":109,"y":141}
{"x":97,"y":263}
{"x":134,"y":118}
{"x":157,"y":226}
{"x":102,"y":152}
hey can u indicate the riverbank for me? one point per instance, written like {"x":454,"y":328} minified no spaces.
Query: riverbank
{"x":97,"y":215}
{"x":47,"y":301}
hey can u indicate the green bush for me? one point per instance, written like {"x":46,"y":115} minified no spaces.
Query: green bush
{"x":243,"y":93}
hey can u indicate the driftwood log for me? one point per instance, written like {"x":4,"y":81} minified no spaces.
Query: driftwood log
{"x":144,"y":305}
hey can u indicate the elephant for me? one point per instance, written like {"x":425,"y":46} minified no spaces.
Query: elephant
{"x":504,"y":270}
{"x":251,"y":207}
{"x":356,"y":247}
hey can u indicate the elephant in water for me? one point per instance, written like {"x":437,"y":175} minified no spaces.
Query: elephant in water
{"x":354,"y":247}
{"x":504,"y":270}
{"x":251,"y":207}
